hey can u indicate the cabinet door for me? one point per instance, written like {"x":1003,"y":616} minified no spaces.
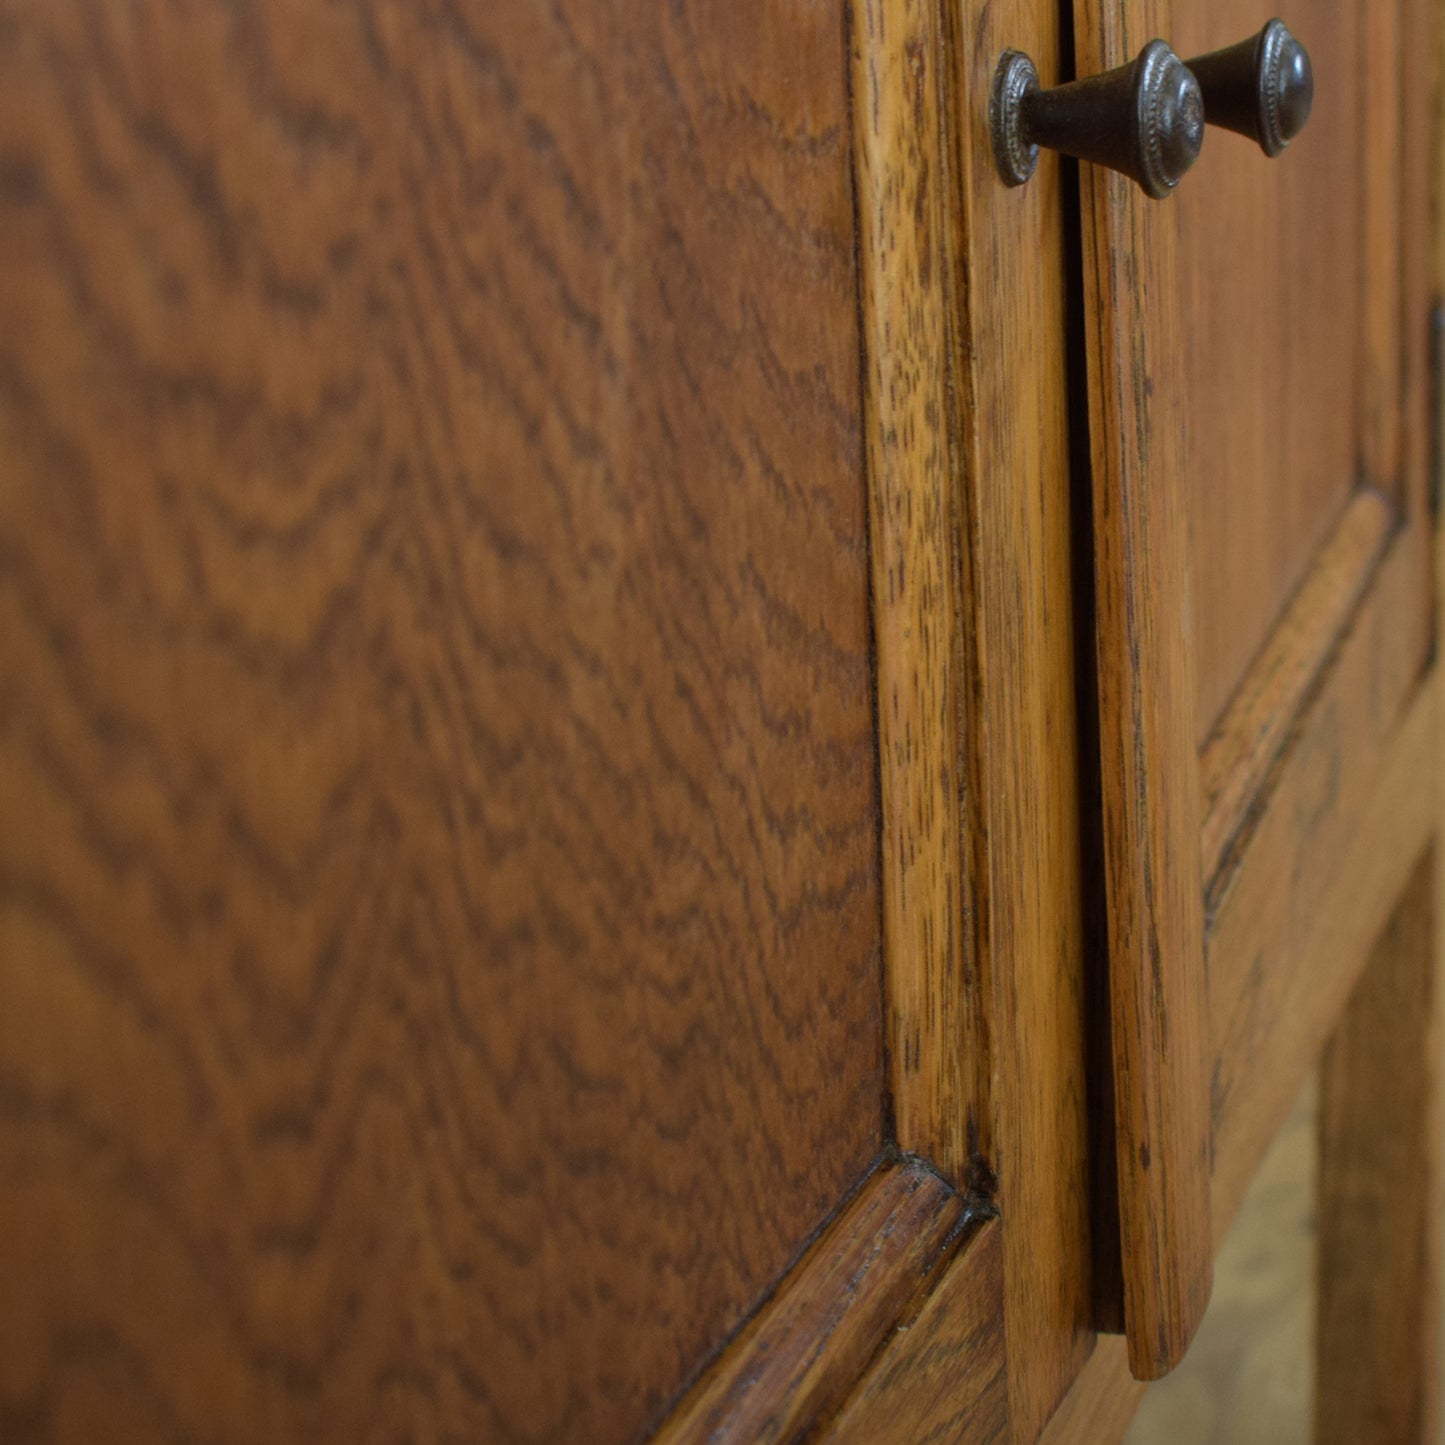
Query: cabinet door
{"x":1256,"y":357}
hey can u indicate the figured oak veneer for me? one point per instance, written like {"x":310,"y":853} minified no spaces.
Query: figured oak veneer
{"x":439,"y":923}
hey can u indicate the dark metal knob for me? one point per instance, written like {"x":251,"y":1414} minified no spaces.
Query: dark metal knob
{"x":1145,"y":119}
{"x":1263,"y":87}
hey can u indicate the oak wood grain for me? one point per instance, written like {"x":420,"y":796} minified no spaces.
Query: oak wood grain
{"x":1317,"y":793}
{"x":1237,"y":758}
{"x":438,"y":897}
{"x":963,"y":286}
{"x":1007,"y":248}
{"x":1149,"y":767}
{"x":803,"y":1353}
{"x":1379,"y":1188}
{"x":941,"y":1376}
{"x":937,"y":1013}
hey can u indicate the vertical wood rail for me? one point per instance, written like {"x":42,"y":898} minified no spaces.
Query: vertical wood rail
{"x":962,"y":284}
{"x":1010,"y":276}
{"x":938,"y":1040}
{"x":1149,"y":765}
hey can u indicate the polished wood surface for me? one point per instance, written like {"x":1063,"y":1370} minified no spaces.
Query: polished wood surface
{"x":800,"y":1358}
{"x":942,"y":1377}
{"x":1270,"y":271}
{"x":1149,"y":768}
{"x":1251,"y":735}
{"x":1343,"y":823}
{"x":439,"y":913}
{"x":963,"y":291}
{"x":547,"y":880}
{"x":1380,"y":1196}
{"x":937,"y":1009}
{"x":1020,"y":729}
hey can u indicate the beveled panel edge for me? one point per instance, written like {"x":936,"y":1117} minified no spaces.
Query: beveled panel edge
{"x":805,"y":1350}
{"x":1236,"y":760}
{"x":941,"y":1376}
{"x":1351,"y":806}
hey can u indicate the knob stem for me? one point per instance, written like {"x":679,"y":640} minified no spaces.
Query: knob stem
{"x":1144,"y":119}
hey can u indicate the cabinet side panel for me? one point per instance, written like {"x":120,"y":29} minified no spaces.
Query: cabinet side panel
{"x":439,"y":921}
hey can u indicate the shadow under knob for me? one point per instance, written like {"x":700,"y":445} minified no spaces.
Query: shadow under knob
{"x":1144,"y":119}
{"x":1263,"y":87}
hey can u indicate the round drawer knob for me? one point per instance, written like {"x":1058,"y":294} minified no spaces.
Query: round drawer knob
{"x":1263,"y":87}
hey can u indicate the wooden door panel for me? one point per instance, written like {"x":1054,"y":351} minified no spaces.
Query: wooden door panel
{"x":440,"y":932}
{"x":1311,"y":591}
{"x":1269,"y":257}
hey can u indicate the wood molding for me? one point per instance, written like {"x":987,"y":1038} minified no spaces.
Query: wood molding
{"x":1243,"y":747}
{"x":1279,"y":977}
{"x":942,"y":1376}
{"x":805,"y":1350}
{"x":974,"y":631}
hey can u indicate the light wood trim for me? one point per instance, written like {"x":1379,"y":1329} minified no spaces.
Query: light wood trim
{"x":1244,"y":746}
{"x":1007,"y":257}
{"x":1379,"y":1189}
{"x":983,"y":894}
{"x":806,"y":1348}
{"x":1149,"y":766}
{"x":941,"y":1377}
{"x":936,"y":1023}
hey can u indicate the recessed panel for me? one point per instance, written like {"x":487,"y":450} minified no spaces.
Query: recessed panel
{"x":439,"y":924}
